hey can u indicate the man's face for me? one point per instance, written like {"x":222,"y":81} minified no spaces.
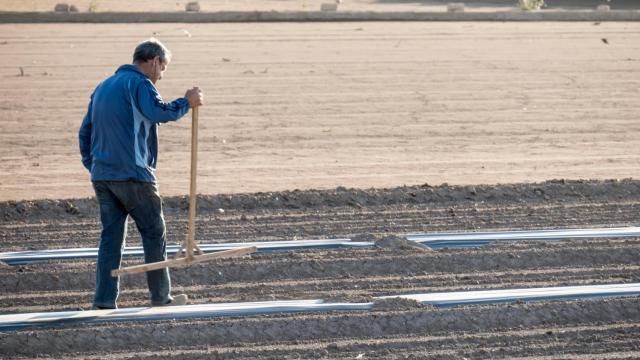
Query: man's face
{"x":158,"y":67}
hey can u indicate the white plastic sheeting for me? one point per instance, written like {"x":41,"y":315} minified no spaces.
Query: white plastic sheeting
{"x":25,"y":257}
{"x":472,"y":239}
{"x":436,"y":241}
{"x":21,"y":321}
{"x":501,"y":296}
{"x":14,"y":322}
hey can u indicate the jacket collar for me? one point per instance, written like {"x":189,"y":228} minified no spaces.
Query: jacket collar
{"x":130,"y":67}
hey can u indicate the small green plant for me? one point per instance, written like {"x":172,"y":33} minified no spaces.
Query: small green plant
{"x":93,"y":6}
{"x":530,"y":4}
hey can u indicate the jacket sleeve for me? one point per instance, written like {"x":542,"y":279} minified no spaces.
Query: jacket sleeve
{"x":84,"y":136}
{"x":155,"y":109}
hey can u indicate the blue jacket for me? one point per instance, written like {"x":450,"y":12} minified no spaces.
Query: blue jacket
{"x":119,"y":134}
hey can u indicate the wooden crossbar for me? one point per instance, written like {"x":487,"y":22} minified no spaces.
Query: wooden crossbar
{"x":182,"y":262}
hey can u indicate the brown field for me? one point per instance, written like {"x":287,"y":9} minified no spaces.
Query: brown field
{"x":348,"y":105}
{"x":299,"y":5}
{"x":245,"y":5}
{"x":300,"y":105}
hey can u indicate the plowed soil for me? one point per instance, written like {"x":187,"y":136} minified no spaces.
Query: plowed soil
{"x":594,"y":328}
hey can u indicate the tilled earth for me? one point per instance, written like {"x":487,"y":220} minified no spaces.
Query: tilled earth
{"x":605,"y":328}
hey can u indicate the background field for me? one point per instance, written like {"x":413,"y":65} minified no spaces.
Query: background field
{"x":320,"y":105}
{"x":303,"y":5}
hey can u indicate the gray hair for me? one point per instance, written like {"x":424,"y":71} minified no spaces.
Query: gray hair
{"x":149,"y":49}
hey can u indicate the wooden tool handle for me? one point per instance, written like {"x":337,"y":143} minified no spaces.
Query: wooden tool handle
{"x":191,"y":243}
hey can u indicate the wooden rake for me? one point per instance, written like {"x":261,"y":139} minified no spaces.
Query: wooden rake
{"x":185,"y":256}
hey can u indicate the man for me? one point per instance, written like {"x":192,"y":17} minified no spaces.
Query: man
{"x":119,"y":146}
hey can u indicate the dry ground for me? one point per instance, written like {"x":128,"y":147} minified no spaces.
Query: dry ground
{"x":300,"y":106}
{"x":300,"y":5}
{"x":236,"y":5}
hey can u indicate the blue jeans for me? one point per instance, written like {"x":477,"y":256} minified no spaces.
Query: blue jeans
{"x":140,"y":200}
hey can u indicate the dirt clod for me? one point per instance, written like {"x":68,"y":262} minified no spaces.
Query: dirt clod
{"x":398,"y":304}
{"x":394,"y":242}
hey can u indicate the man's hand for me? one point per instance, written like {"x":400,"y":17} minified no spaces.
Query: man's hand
{"x":194,"y":96}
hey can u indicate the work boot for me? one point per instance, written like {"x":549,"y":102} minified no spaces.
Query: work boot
{"x":179,"y":300}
